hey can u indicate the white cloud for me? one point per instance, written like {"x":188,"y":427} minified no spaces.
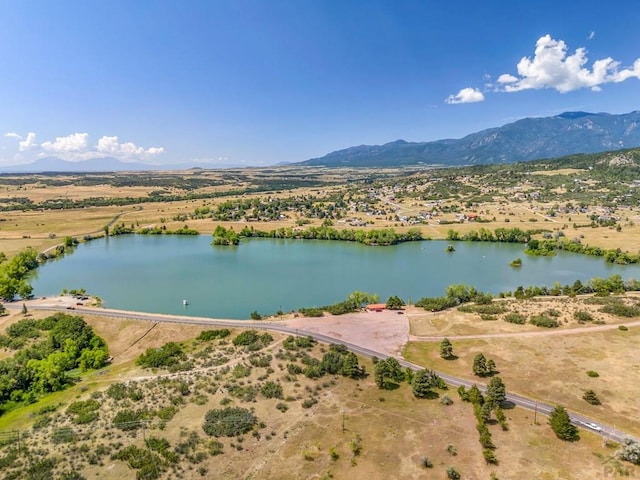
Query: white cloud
{"x":551,"y":67}
{"x":506,"y":78}
{"x":112,"y":146}
{"x":74,"y":143}
{"x":591,"y":35}
{"x":466,"y":95}
{"x":28,"y":143}
{"x":77,"y":147}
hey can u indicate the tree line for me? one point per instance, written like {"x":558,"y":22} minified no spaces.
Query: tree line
{"x":51,"y":348}
{"x":381,"y":237}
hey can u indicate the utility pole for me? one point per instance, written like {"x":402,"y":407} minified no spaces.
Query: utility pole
{"x":535,"y":414}
{"x":343,"y":412}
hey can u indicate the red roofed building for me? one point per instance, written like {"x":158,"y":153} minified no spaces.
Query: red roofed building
{"x":376,"y":307}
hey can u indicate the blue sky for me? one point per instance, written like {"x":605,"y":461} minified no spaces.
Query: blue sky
{"x":248,"y":82}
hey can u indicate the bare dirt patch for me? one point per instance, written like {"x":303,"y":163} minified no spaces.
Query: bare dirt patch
{"x":385,"y":331}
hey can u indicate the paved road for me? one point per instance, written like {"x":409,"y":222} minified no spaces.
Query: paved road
{"x":539,"y":407}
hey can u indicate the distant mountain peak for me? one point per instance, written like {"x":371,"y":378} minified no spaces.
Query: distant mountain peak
{"x":574,"y":115}
{"x":525,"y":139}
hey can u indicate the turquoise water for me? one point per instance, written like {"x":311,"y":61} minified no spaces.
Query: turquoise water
{"x":155,"y":273}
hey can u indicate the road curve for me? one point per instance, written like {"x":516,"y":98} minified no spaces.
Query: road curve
{"x":607,"y":431}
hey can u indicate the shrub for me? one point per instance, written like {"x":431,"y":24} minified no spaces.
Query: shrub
{"x":228,"y":422}
{"x":630,"y":451}
{"x":591,"y":397}
{"x":582,"y":316}
{"x":516,"y":318}
{"x":309,"y":402}
{"x":272,"y":390}
{"x":452,"y":474}
{"x":446,"y":400}
{"x":215,"y":448}
{"x":488,"y":309}
{"x":489,"y":456}
{"x":246,"y":338}
{"x":426,"y":462}
{"x":26,"y":328}
{"x":207,"y":335}
{"x":624,"y":328}
{"x":311,"y":312}
{"x":63,"y":435}
{"x":621,"y":310}
{"x":128,"y":419}
{"x":333,"y":454}
{"x":164,"y":356}
{"x":148,"y":464}
{"x":241,"y":370}
{"x":543,"y":320}
{"x":592,"y":373}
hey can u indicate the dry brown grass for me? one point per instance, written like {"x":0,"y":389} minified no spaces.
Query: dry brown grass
{"x":553,"y":369}
{"x":397,"y":430}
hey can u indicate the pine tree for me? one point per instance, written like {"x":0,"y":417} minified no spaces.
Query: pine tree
{"x":491,"y":367}
{"x":561,"y":424}
{"x":479,"y":365}
{"x":496,"y":392}
{"x":446,"y":349}
{"x":591,"y":397}
{"x":422,"y":383}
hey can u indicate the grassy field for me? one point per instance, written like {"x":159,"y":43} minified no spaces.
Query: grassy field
{"x":544,"y":363}
{"x":353,"y":430}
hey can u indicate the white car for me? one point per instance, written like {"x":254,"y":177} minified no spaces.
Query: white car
{"x":592,"y":426}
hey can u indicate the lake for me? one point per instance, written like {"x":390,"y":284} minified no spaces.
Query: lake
{"x":155,"y":273}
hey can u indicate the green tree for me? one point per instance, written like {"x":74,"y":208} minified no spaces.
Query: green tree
{"x":360,"y":299}
{"x":480,"y":365}
{"x":496,"y":392}
{"x":379,"y":373}
{"x":350,"y":366}
{"x":591,"y":397}
{"x":630,"y":451}
{"x":422,"y":383}
{"x":561,"y":424}
{"x":446,"y":349}
{"x":332,"y":362}
{"x":395,"y":303}
{"x":491,"y":367}
{"x":388,"y":369}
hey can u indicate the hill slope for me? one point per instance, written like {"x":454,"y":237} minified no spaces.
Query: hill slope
{"x":526,"y":139}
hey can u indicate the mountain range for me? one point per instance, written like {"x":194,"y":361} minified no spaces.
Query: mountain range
{"x":526,"y":139}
